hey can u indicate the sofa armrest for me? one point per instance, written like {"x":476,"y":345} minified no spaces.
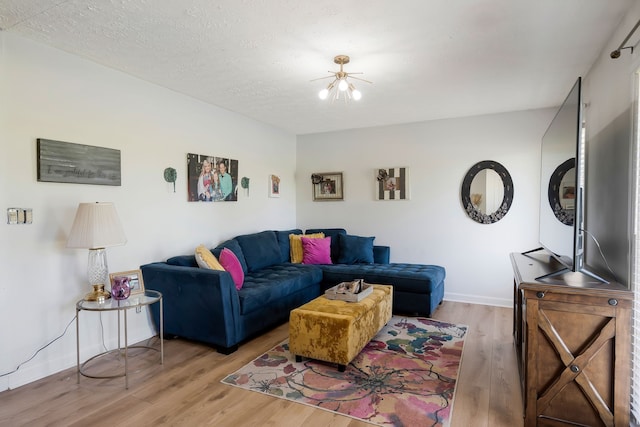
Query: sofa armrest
{"x":199,"y":304}
{"x":381,"y":254}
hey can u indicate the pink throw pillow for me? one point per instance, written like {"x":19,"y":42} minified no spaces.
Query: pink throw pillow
{"x":230,"y":262}
{"x":316,"y":251}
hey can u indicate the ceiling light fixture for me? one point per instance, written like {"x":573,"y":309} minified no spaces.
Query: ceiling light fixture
{"x":344,"y":86}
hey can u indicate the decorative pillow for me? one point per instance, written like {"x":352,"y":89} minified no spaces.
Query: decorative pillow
{"x":355,"y":249}
{"x":260,"y":249}
{"x":206,"y":259}
{"x":316,"y":251}
{"x":296,"y":245}
{"x":234,"y":246}
{"x":334,"y":233}
{"x":183,"y":261}
{"x":230,"y":262}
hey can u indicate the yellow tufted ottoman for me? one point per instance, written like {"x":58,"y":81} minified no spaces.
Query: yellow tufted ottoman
{"x":336,"y":331}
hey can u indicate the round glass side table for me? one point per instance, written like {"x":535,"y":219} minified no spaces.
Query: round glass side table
{"x":136,"y":301}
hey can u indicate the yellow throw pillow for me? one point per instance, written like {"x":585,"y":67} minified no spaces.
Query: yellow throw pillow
{"x":206,"y":259}
{"x":296,"y":245}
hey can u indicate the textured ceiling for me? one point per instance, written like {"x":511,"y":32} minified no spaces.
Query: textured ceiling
{"x":428,"y":59}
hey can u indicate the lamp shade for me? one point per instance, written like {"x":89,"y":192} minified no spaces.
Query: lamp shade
{"x":96,"y":225}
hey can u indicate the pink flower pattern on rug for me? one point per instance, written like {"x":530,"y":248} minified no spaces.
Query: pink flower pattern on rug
{"x":405,"y":376}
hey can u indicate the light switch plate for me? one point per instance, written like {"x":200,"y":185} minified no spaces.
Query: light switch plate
{"x":12,"y":216}
{"x":19,"y":216}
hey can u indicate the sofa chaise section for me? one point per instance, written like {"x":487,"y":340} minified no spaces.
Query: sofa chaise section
{"x":418,"y":289}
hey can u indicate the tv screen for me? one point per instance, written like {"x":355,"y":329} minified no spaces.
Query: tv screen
{"x":561,"y":183}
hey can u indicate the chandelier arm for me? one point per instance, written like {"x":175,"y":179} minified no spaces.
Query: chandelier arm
{"x":362,"y":80}
{"x":322,"y":78}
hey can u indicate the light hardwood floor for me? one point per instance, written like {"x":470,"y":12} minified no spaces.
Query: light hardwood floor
{"x":186,"y":390}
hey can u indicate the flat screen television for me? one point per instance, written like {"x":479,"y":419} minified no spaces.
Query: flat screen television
{"x":562,"y":186}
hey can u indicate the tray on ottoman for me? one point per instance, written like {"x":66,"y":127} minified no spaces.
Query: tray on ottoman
{"x":337,"y":292}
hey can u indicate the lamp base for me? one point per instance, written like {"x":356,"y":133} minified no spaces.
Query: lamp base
{"x":98,"y":293}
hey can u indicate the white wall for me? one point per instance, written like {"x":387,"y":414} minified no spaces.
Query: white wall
{"x":432,"y":227}
{"x":45,"y":93}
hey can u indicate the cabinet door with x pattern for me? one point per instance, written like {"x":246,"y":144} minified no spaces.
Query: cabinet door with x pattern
{"x":577,"y":357}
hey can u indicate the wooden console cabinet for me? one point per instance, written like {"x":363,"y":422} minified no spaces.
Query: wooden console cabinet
{"x":573,"y":340}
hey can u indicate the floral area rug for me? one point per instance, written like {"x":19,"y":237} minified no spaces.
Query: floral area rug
{"x":406,"y":376}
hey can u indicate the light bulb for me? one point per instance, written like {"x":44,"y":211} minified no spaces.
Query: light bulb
{"x":356,"y":94}
{"x":323,"y":94}
{"x":343,"y":85}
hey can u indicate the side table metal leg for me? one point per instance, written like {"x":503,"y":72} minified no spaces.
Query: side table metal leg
{"x":126,"y":347}
{"x":161,"y":334}
{"x":77,"y":347}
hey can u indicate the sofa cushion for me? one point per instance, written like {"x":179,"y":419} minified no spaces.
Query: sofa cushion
{"x":296,"y":245}
{"x":206,"y":259}
{"x":267,"y":286}
{"x":355,"y":249}
{"x":260,"y":249}
{"x":283,"y":242}
{"x":234,"y":246}
{"x":316,"y":251}
{"x":231,"y":264}
{"x":333,"y":233}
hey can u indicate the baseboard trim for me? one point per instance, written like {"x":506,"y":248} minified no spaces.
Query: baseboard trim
{"x":477,"y":299}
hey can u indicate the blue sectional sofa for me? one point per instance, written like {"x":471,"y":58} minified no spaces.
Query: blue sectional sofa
{"x":204,"y":305}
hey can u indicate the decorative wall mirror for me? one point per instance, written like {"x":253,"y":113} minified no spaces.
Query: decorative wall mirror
{"x":487,"y":192}
{"x":562,"y":192}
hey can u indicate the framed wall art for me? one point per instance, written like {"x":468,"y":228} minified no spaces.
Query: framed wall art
{"x":327,"y":186}
{"x":392,"y":183}
{"x":136,"y":284}
{"x":274,"y":186}
{"x":211,"y":178}
{"x":66,"y":162}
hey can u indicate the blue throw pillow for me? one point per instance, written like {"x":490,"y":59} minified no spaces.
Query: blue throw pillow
{"x":183,"y":261}
{"x":355,"y":249}
{"x":260,"y":249}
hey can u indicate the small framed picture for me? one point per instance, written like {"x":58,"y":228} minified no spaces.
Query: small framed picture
{"x":135,"y":280}
{"x":327,"y":186}
{"x":392,"y":183}
{"x":274,"y":186}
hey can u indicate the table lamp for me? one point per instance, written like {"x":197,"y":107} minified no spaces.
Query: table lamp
{"x":96,"y":227}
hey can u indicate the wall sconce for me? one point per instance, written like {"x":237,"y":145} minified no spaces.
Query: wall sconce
{"x":170,"y":175}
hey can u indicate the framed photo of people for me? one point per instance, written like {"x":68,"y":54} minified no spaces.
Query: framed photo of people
{"x":211,"y":178}
{"x":327,"y":186}
{"x":392,"y":183}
